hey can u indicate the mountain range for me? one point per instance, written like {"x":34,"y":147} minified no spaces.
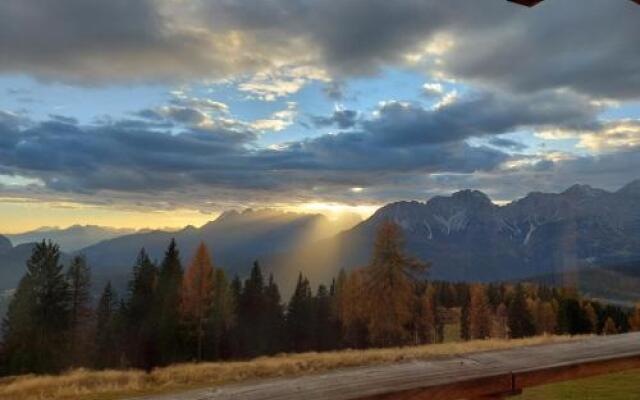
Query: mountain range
{"x":465,"y":236}
{"x":70,"y":239}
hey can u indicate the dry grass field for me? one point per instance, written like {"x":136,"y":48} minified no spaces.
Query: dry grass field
{"x":106,"y":385}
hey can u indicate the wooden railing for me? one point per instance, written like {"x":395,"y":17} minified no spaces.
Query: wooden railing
{"x":487,"y":375}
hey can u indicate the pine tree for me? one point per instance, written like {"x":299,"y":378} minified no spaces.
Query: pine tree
{"x":106,"y":339}
{"x":465,"y":302}
{"x":37,"y":321}
{"x":168,"y":305}
{"x":479,"y":313}
{"x":300,"y":318}
{"x":425,"y":324}
{"x":520,"y":319}
{"x":592,"y":317}
{"x":274,"y":318}
{"x":547,"y":319}
{"x":81,"y":314}
{"x":223,"y":317}
{"x":354,"y":312}
{"x":251,"y":315}
{"x":501,"y":322}
{"x":634,"y":319}
{"x":141,"y":324}
{"x":572,"y":318}
{"x":322,"y":320}
{"x":609,"y":327}
{"x":390,"y":285}
{"x":197,"y":296}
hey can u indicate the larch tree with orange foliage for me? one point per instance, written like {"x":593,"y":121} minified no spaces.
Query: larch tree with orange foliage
{"x":391,"y":280}
{"x":197,"y":294}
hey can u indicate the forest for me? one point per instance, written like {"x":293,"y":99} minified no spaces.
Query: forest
{"x":173,"y":313}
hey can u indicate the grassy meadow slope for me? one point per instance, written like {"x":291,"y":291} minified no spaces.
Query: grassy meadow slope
{"x":621,"y":386}
{"x":108,"y":385}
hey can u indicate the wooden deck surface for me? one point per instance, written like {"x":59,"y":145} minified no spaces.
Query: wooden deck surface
{"x":471,"y":376}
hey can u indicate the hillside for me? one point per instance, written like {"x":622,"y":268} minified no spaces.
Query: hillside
{"x":69,"y":239}
{"x":467,"y":237}
{"x":236,"y":240}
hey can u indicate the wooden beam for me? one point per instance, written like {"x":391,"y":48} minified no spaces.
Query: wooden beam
{"x":528,"y":3}
{"x":486,"y":375}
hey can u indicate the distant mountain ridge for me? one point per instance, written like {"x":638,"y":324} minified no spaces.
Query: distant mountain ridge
{"x":235,"y":239}
{"x":467,"y":237}
{"x":69,"y":239}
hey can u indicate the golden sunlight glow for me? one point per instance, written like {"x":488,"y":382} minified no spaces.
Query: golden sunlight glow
{"x":337,"y":210}
{"x":21,"y":215}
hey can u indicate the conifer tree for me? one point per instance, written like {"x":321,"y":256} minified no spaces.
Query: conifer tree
{"x":520,"y":319}
{"x":609,"y":327}
{"x":634,"y":319}
{"x":168,"y":305}
{"x":80,"y":312}
{"x":501,"y":322}
{"x":572,"y":318}
{"x":140,"y":320}
{"x":547,"y":319}
{"x":274,"y":318}
{"x":197,"y":296}
{"x":37,"y":322}
{"x":106,"y":339}
{"x":425,"y":324}
{"x":223,"y":317}
{"x":591,"y":317}
{"x":324,"y":331}
{"x":251,"y":314}
{"x":354,"y":312}
{"x":465,"y":302}
{"x":300,"y":318}
{"x":479,"y":313}
{"x":390,"y":286}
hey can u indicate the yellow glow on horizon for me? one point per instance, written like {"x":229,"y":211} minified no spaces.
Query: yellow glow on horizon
{"x":335,"y":210}
{"x":19,"y":215}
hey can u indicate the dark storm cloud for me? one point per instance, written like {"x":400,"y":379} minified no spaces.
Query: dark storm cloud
{"x":482,"y":114}
{"x":140,"y":156}
{"x":560,"y":44}
{"x":343,"y":119}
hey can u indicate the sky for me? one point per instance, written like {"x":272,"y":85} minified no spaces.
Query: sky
{"x":164,"y":113}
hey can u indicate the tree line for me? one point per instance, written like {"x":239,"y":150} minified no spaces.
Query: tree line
{"x":173,"y":314}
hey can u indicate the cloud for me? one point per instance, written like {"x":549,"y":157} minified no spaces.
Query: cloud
{"x":343,"y":119}
{"x":283,"y":44}
{"x":479,"y":114}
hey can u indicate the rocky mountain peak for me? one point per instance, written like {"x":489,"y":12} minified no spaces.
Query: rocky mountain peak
{"x":583,"y":191}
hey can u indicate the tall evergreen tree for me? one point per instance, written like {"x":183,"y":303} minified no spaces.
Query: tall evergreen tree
{"x":168,"y":305}
{"x":520,"y":318}
{"x":300,"y":318}
{"x":572,"y":318}
{"x":223,"y":317}
{"x":324,"y":331}
{"x":37,"y":322}
{"x":141,"y":324}
{"x":80,"y":312}
{"x":274,"y":317}
{"x":107,"y":345}
{"x":251,"y":314}
{"x":479,"y":313}
{"x":391,"y":275}
{"x":197,"y":296}
{"x":465,"y":302}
